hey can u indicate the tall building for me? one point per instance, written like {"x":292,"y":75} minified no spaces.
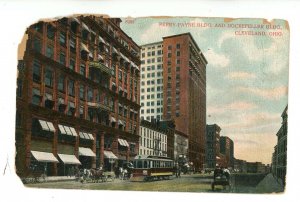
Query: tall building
{"x":77,"y":96}
{"x":179,"y":87}
{"x":213,"y":146}
{"x":227,"y":149}
{"x":280,"y":150}
{"x":152,"y":81}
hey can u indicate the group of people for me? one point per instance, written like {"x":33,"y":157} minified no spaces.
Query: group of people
{"x":221,"y":171}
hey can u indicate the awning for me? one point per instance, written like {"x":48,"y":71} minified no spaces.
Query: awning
{"x":91,"y":55}
{"x":123,"y":142}
{"x":48,"y":96}
{"x":69,"y":159}
{"x":73,"y":131}
{"x":61,"y":101}
{"x":112,"y":119}
{"x":101,"y":39}
{"x":47,"y":126}
{"x":86,"y":152}
{"x":121,"y":122}
{"x":43,"y":156}
{"x":75,"y":20}
{"x":100,"y":57}
{"x":84,"y":47}
{"x":84,"y":26}
{"x":109,"y":155}
{"x":66,"y":130}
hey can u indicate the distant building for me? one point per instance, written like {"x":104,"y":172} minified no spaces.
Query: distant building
{"x":227,"y":149}
{"x":213,"y":146}
{"x":280,"y":150}
{"x":153,"y":139}
{"x":256,"y":167}
{"x":240,"y":165}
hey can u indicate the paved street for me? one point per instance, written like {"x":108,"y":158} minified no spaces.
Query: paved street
{"x":245,"y":183}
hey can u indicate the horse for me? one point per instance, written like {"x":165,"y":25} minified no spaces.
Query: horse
{"x":97,"y":174}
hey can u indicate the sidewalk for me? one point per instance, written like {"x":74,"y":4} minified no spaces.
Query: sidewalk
{"x":269,"y":185}
{"x":59,"y":178}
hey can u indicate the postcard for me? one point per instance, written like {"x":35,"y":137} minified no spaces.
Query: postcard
{"x":169,"y":104}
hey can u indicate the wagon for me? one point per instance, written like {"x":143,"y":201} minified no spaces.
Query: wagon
{"x":221,"y":180}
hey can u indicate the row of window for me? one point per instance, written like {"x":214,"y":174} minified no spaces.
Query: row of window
{"x":150,"y":118}
{"x":152,"y":53}
{"x":152,"y":47}
{"x":148,"y":111}
{"x":152,"y":67}
{"x":149,"y":61}
{"x":152,"y":103}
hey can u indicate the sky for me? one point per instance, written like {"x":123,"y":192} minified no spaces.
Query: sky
{"x":247,"y":74}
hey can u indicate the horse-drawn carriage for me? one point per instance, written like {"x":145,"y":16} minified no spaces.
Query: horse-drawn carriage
{"x":94,"y":175}
{"x":221,"y":178}
{"x":34,"y":175}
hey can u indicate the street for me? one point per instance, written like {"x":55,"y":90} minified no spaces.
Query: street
{"x":241,"y":183}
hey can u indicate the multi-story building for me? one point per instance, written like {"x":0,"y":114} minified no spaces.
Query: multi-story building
{"x":280,"y":150}
{"x":179,"y":79}
{"x":153,"y":139}
{"x":227,"y":149}
{"x":181,"y":145}
{"x":152,"y":81}
{"x":77,"y":96}
{"x":213,"y":146}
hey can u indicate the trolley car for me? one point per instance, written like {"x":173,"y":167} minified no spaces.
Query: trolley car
{"x":148,"y":168}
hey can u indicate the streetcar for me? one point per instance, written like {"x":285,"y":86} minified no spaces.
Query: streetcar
{"x":148,"y":168}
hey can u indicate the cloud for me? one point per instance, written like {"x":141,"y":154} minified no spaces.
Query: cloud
{"x":228,"y":108}
{"x":270,"y":94}
{"x":216,"y":59}
{"x":240,"y":75}
{"x":155,"y":33}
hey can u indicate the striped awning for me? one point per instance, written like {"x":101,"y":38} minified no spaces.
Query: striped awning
{"x":44,"y":156}
{"x":83,"y":151}
{"x":47,"y":126}
{"x":66,"y":130}
{"x":69,"y":159}
{"x":110,"y":155}
{"x":123,"y":142}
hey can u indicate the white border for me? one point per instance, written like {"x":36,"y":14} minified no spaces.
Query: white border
{"x":17,"y":15}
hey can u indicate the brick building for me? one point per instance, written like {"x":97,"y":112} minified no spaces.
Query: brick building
{"x":227,"y":149}
{"x":213,"y":156}
{"x":184,"y":91}
{"x":77,"y":96}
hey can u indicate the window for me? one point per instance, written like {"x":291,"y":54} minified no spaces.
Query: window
{"x":72,"y":64}
{"x":143,"y":55}
{"x":81,"y":92}
{"x":71,"y":87}
{"x":153,"y":60}
{"x":72,"y":44}
{"x":49,"y":51}
{"x":19,"y":87}
{"x":90,"y":94}
{"x":50,"y":31}
{"x":178,"y":46}
{"x":37,"y":45}
{"x":36,"y":96}
{"x":148,"y":54}
{"x":71,"y":108}
{"x":178,"y":53}
{"x":142,"y":97}
{"x":38,"y":27}
{"x":159,"y":52}
{"x":81,"y":112}
{"x":159,"y":59}
{"x":36,"y":75}
{"x":178,"y":61}
{"x":178,"y":68}
{"x":62,"y":39}
{"x":82,"y":69}
{"x":153,"y":53}
{"x":120,"y":75}
{"x":169,"y":47}
{"x":169,"y":55}
{"x":62,"y":58}
{"x":49,"y":77}
{"x":61,"y":83}
{"x":90,"y":114}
